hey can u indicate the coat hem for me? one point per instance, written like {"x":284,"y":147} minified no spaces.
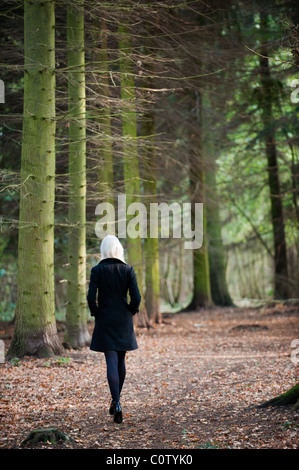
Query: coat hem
{"x":112,"y":349}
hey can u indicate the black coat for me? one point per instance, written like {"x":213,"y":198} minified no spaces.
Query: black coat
{"x":113,"y":330}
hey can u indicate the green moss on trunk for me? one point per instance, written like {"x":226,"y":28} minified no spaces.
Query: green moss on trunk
{"x":217,"y":262}
{"x":130,"y":158}
{"x":290,"y":397}
{"x":48,"y":436}
{"x":35,"y":327}
{"x":151,"y":244}
{"x":76,"y":313}
{"x":201,"y":271}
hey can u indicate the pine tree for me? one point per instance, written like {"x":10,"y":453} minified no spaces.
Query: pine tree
{"x":151,"y":244}
{"x":35,"y":328}
{"x":201,"y":296}
{"x":281,"y":288}
{"x":102,"y":120}
{"x":130,"y":156}
{"x":76,"y":334}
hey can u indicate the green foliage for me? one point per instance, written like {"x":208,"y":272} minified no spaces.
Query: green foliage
{"x":61,"y":361}
{"x":7,"y":310}
{"x":289,"y":425}
{"x":210,"y":445}
{"x":242,"y":178}
{"x":15,"y":361}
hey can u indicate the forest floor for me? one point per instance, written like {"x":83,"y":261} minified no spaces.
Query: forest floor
{"x":194,"y":382}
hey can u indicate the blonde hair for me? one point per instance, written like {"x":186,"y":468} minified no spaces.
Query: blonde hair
{"x":112,"y":248}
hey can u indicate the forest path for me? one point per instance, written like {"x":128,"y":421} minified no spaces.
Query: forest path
{"x":194,"y":382}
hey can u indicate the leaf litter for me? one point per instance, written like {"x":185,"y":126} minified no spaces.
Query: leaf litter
{"x":194,"y":382}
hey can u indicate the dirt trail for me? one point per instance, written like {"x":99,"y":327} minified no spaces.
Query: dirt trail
{"x":194,"y":382}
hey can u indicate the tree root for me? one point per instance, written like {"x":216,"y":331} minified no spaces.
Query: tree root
{"x":290,"y":397}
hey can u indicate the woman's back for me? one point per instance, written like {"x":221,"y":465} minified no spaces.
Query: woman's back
{"x":110,"y":281}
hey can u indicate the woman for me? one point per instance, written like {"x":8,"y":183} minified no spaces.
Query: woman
{"x":113,"y":332}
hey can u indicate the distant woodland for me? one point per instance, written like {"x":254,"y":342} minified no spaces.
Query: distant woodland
{"x":163,"y":102}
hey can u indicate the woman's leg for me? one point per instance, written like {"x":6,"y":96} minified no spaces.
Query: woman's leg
{"x":121,"y":368}
{"x":116,"y":372}
{"x":113,"y":374}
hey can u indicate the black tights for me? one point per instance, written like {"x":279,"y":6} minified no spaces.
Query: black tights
{"x":116,"y":372}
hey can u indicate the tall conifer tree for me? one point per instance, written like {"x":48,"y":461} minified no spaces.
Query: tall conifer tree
{"x":130,"y":153}
{"x":35,"y":328}
{"x":76,"y":314}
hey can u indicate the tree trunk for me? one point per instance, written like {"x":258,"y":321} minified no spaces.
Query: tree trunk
{"x":35,"y":327}
{"x":201,"y":272}
{"x":76,"y":335}
{"x":280,"y":250}
{"x":217,"y":262}
{"x":290,"y":397}
{"x":166,"y":269}
{"x":152,"y":275}
{"x":219,"y":290}
{"x":151,"y":244}
{"x":179,"y":267}
{"x":103,"y":119}
{"x":130,"y":153}
{"x":50,"y":436}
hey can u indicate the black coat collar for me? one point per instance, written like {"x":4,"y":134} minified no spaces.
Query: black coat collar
{"x":111,"y":261}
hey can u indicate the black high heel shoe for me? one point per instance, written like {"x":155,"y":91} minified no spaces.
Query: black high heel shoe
{"x":118,"y":415}
{"x":112,"y":407}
